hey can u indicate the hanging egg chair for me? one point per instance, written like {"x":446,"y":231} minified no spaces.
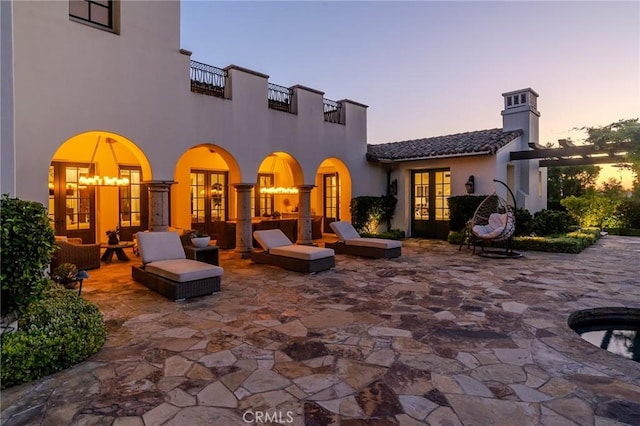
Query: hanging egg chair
{"x":493,"y":221}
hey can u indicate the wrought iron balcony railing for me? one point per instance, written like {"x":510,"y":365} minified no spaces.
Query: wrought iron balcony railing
{"x":279,"y":97}
{"x":332,"y":111}
{"x":207,"y":79}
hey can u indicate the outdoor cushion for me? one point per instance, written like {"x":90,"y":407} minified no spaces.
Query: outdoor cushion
{"x":183,"y":270}
{"x":270,"y":238}
{"x":344,"y":231}
{"x":347,"y":234}
{"x":302,"y":252}
{"x":156,"y":246}
{"x":497,"y":225}
{"x":374,"y":242}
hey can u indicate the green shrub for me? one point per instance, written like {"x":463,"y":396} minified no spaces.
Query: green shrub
{"x":524,"y":222}
{"x":629,"y":232}
{"x":55,"y":332}
{"x":455,"y":237}
{"x":461,"y":209}
{"x":555,"y":245}
{"x":27,"y":246}
{"x":586,"y":238}
{"x":367,"y":212}
{"x":550,"y":222}
{"x":594,"y":209}
{"x":394,"y":234}
{"x":628,"y":211}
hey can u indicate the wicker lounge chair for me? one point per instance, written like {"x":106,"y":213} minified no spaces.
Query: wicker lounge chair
{"x":166,"y":270}
{"x":280,"y":251}
{"x":350,"y":242}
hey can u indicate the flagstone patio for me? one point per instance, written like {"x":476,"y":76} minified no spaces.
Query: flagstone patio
{"x":436,"y":337}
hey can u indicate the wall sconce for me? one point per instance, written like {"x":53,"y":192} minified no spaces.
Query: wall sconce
{"x":393,"y":187}
{"x":470,"y":185}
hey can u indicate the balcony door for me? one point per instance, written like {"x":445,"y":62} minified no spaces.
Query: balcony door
{"x":209,"y":195}
{"x":71,"y":205}
{"x":430,"y":208}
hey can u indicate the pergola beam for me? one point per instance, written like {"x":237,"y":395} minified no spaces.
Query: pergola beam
{"x":565,"y":156}
{"x":582,"y":161}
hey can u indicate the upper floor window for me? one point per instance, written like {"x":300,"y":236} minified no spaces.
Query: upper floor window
{"x":100,"y":13}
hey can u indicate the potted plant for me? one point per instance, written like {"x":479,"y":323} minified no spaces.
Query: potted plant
{"x":113,"y":236}
{"x":200,"y":239}
{"x":67,"y":274}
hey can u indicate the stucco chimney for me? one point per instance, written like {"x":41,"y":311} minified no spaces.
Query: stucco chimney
{"x":521,"y":112}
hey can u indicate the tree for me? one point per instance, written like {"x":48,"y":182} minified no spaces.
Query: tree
{"x":622,"y":131}
{"x":565,"y":181}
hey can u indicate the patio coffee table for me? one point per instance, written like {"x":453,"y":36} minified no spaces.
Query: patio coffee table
{"x":117,"y":249}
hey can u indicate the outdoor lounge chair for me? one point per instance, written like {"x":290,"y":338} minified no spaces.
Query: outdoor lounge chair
{"x":350,"y":242}
{"x":280,"y":251}
{"x":166,"y":270}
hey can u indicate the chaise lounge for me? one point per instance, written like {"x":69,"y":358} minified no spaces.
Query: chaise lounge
{"x":166,"y":269}
{"x":350,"y":242}
{"x":280,"y":251}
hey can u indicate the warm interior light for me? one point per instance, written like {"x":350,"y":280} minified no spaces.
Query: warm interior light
{"x":103,"y":181}
{"x":278,"y":190}
{"x":97,"y":180}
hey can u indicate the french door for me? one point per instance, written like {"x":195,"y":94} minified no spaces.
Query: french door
{"x":331,"y":200}
{"x":133,"y":204}
{"x":264,"y":204}
{"x":71,"y":205}
{"x":209,"y":195}
{"x":430,"y":208}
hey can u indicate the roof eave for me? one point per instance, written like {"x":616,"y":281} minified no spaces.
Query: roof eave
{"x":431,"y":157}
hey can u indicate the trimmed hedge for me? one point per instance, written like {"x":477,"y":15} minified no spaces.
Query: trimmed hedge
{"x":461,"y":209}
{"x":368,"y":212}
{"x":573,"y":242}
{"x":394,"y":234}
{"x":55,"y":332}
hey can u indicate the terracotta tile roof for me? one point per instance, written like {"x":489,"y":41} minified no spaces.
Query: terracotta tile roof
{"x":470,"y":143}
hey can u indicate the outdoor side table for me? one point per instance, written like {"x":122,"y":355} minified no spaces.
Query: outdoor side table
{"x":117,"y":249}
{"x":207,"y":254}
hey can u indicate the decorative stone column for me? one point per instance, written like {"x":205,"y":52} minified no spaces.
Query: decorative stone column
{"x":159,"y":204}
{"x":244,"y":238}
{"x":304,"y":214}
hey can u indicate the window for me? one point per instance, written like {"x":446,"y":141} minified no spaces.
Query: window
{"x":130,"y":197}
{"x":99,"y":13}
{"x":265,"y":202}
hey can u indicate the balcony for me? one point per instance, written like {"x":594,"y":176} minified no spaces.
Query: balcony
{"x":212,"y":81}
{"x":207,"y":79}
{"x":332,"y":111}
{"x":279,"y":97}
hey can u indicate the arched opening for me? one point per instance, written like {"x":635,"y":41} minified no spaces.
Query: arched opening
{"x":95,"y":185}
{"x":275,"y":189}
{"x":331,"y":198}
{"x":203,"y":194}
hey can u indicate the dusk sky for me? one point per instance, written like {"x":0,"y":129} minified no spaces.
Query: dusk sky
{"x":435,"y":68}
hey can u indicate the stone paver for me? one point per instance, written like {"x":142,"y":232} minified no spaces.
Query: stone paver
{"x":436,"y":337}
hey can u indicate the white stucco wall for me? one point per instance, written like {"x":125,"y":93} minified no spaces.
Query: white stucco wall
{"x":70,"y":78}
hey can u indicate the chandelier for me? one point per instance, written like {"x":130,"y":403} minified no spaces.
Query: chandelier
{"x":278,"y":190}
{"x":97,"y":180}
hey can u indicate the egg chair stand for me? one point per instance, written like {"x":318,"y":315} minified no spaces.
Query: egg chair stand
{"x":494,"y":221}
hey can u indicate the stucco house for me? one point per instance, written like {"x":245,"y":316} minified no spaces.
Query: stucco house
{"x":428,"y":171}
{"x":108,"y":121}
